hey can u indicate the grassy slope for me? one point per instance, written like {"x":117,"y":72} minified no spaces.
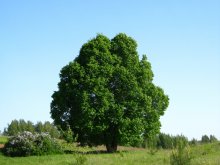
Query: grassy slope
{"x":207,"y":154}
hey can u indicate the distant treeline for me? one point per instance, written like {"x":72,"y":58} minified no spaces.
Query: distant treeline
{"x":167,"y":141}
{"x":18,"y":126}
{"x":161,"y":140}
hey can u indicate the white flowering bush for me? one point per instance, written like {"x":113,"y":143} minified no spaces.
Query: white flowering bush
{"x":26,"y":144}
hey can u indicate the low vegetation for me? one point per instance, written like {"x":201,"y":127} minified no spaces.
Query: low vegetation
{"x":38,"y":147}
{"x":193,"y":154}
{"x":27,"y":144}
{"x":181,"y":154}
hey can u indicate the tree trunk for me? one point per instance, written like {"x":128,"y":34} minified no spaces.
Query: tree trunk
{"x":111,"y":139}
{"x":111,"y":147}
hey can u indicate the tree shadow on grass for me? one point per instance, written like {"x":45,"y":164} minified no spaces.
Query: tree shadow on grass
{"x":90,"y":152}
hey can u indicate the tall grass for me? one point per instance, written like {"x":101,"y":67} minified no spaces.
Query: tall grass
{"x":181,"y":155}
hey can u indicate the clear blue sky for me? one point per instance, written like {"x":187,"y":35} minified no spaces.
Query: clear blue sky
{"x":181,"y":40}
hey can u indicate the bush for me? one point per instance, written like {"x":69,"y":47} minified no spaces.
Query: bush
{"x":68,"y":135}
{"x":181,"y":155}
{"x":26,"y":144}
{"x":45,"y":145}
{"x":80,"y":160}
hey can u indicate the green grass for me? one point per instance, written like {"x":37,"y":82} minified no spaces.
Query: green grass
{"x":130,"y":158}
{"x":3,"y":139}
{"x":206,"y":154}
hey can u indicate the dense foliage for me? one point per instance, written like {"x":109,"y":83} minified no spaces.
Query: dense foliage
{"x":18,"y":126}
{"x":107,"y":96}
{"x":26,"y":144}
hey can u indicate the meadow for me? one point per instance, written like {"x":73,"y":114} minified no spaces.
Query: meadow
{"x":202,"y":154}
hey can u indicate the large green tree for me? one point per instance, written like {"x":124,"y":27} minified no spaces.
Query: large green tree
{"x":106,"y":94}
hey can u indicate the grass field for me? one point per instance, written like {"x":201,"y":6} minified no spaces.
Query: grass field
{"x":3,"y":139}
{"x":206,"y":154}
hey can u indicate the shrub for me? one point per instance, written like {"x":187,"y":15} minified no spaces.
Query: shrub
{"x":20,"y":145}
{"x":26,"y":144}
{"x":181,"y":155}
{"x":68,"y":135}
{"x":45,"y":145}
{"x":80,"y":160}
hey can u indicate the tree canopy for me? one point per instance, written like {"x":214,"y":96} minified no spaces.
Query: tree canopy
{"x":107,"y":96}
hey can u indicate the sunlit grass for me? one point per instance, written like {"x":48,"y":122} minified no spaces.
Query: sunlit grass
{"x":3,"y":139}
{"x":204,"y":154}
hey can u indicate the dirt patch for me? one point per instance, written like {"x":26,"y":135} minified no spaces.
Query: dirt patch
{"x":2,"y":145}
{"x":121,"y":148}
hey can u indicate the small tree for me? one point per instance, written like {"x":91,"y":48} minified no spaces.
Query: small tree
{"x":29,"y":127}
{"x":39,"y":127}
{"x":213,"y":139}
{"x":51,"y":129}
{"x":13,"y":128}
{"x":68,"y":135}
{"x":181,"y":155}
{"x":205,"y":139}
{"x":193,"y":142}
